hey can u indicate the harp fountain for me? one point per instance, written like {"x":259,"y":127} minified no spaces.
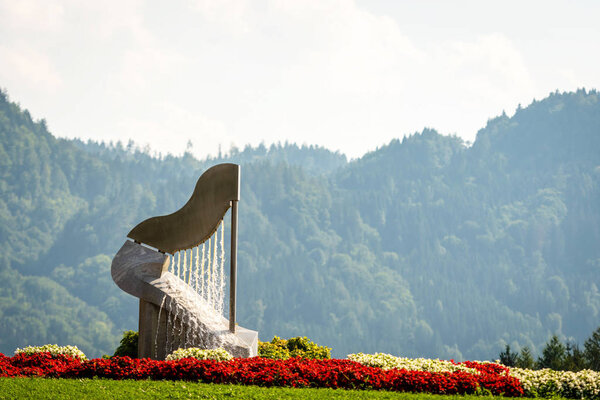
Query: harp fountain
{"x":179,"y":279}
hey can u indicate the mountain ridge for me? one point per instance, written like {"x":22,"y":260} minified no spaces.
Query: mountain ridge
{"x":425,"y":246}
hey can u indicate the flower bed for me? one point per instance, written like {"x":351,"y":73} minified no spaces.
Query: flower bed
{"x":294,"y":372}
{"x":548,"y":383}
{"x":387,"y":361}
{"x":535,"y":383}
{"x":360,"y":371}
{"x":53,"y":349}
{"x":36,"y":364}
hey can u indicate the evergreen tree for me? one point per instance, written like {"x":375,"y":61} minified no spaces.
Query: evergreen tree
{"x":574,"y":359}
{"x":507,"y":357}
{"x":592,"y":350}
{"x":525,"y":359}
{"x":553,"y":355}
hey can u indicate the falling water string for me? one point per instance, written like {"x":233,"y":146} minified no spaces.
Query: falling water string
{"x":162,"y":303}
{"x":215,"y":278}
{"x":174,"y":260}
{"x":218,"y":270}
{"x":176,"y":339}
{"x":196,"y":266}
{"x":190,"y":268}
{"x":169,"y":322}
{"x":202,"y":261}
{"x":222,"y":271}
{"x":182,"y":272}
{"x":195,"y":334}
{"x":188,"y":332}
{"x":181,"y":264}
{"x":209,"y":273}
{"x":184,"y":265}
{"x":183,"y":260}
{"x":184,"y":332}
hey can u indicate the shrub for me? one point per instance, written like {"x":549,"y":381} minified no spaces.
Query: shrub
{"x":128,"y":346}
{"x":219,"y":354}
{"x":281,"y":349}
{"x":273,"y":351}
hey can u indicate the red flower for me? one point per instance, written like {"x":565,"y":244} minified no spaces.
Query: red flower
{"x":294,"y":372}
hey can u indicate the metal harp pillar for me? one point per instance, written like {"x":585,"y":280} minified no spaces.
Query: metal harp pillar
{"x":233,"y":271}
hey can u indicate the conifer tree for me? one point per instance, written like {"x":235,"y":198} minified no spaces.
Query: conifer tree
{"x":574,"y":359}
{"x":507,"y":357}
{"x":525,"y":359}
{"x":553,"y":355}
{"x":592,"y":350}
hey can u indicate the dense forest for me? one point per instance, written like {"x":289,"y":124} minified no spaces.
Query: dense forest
{"x":425,"y":247}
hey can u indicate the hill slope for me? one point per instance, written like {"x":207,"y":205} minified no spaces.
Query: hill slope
{"x":423,"y":247}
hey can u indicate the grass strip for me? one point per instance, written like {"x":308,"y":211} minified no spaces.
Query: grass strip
{"x":44,"y":388}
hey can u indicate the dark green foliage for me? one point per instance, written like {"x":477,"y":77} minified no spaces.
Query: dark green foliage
{"x":425,"y":247}
{"x":129,"y":345}
{"x":525,"y":359}
{"x":574,"y":358}
{"x":592,"y":351}
{"x":553,"y":355}
{"x":37,"y":310}
{"x":295,"y":347}
{"x":558,"y":356}
{"x":508,"y":358}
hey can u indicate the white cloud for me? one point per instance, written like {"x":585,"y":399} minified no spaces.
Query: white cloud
{"x":173,"y":129}
{"x":27,"y":67}
{"x":328,"y":72}
{"x":464,"y":83}
{"x":352,"y":51}
{"x":31,"y":15}
{"x":491,"y":64}
{"x":233,"y":16}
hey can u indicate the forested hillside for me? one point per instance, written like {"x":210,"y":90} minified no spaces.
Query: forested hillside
{"x":424,"y":247}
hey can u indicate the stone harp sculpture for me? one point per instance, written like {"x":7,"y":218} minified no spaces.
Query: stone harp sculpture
{"x":179,"y":279}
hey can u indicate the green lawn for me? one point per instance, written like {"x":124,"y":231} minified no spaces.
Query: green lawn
{"x":42,"y":388}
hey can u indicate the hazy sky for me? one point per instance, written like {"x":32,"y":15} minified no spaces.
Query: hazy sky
{"x":347,"y":75}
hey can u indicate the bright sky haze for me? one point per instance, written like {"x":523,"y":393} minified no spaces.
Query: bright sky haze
{"x":347,"y":75}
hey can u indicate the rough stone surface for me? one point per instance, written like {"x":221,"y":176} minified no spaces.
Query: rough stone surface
{"x":172,"y":314}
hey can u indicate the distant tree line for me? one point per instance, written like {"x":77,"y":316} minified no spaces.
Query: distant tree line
{"x":557,"y":355}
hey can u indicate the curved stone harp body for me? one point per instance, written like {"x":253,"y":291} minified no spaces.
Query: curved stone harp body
{"x":172,"y":314}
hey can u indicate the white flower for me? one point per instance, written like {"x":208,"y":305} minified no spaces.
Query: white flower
{"x":548,"y":383}
{"x":219,"y":354}
{"x":387,"y":361}
{"x":536,"y":383}
{"x":53,"y":349}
